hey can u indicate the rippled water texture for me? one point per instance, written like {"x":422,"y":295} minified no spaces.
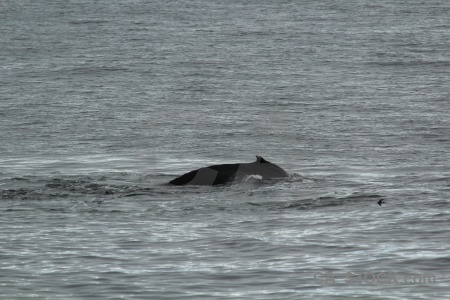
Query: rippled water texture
{"x":103,"y":102}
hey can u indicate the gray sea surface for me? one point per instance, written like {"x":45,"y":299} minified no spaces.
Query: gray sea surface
{"x":103,"y":102}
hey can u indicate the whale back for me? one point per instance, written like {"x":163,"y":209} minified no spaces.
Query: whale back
{"x":262,"y":167}
{"x":220,"y":174}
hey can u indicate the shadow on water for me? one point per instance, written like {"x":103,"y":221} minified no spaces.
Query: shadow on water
{"x":328,"y":201}
{"x":34,"y":188}
{"x":112,"y":191}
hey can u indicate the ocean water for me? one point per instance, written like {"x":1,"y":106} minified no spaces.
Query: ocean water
{"x":103,"y":102}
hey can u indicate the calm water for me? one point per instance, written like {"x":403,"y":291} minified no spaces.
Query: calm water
{"x":103,"y":102}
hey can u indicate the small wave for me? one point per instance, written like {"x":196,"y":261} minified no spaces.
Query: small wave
{"x":20,"y":193}
{"x":329,"y":201}
{"x":82,"y":70}
{"x":23,"y":188}
{"x":87,"y":186}
{"x":92,"y":21}
{"x":437,"y":64}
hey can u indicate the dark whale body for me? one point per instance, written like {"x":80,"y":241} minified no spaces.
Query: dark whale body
{"x":220,"y":174}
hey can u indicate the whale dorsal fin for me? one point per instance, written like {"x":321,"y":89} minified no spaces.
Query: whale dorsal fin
{"x":260,"y":160}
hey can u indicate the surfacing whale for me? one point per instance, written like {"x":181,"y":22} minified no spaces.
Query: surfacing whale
{"x":220,"y":174}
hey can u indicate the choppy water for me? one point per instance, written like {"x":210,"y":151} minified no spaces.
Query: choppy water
{"x":103,"y":102}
